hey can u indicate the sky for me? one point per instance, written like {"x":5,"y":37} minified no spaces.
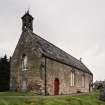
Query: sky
{"x":76,"y":26}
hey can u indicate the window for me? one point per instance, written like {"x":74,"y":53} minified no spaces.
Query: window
{"x":83,"y":81}
{"x":24,"y":62}
{"x":72,"y":78}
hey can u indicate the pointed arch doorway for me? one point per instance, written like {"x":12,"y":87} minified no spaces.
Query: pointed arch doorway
{"x":56,"y":86}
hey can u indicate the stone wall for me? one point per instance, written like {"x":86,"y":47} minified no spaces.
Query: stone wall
{"x":62,"y":72}
{"x":34,"y":77}
{"x":30,"y":77}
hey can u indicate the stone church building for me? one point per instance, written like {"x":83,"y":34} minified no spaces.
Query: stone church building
{"x":39,"y":66}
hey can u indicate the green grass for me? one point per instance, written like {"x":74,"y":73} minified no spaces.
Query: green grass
{"x":13,"y":93}
{"x":89,"y":99}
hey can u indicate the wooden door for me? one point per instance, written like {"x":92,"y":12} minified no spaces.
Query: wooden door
{"x":56,"y":86}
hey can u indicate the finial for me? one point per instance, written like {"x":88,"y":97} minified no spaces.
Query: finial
{"x":80,"y":59}
{"x":28,"y":11}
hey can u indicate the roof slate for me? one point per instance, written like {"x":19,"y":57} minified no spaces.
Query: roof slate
{"x":55,"y":53}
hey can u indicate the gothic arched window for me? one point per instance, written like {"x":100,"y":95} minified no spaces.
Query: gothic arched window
{"x":24,"y":62}
{"x":83,"y":81}
{"x":72,"y":78}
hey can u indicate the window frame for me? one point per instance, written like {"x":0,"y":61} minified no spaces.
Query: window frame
{"x":83,"y":81}
{"x":72,"y":78}
{"x":24,"y":63}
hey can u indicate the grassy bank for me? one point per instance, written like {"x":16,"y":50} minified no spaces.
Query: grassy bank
{"x":89,"y":99}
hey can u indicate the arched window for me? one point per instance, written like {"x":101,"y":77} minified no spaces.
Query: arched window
{"x":72,"y":77}
{"x":24,"y":62}
{"x":83,"y":81}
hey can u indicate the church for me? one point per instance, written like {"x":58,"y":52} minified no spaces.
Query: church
{"x":38,"y":65}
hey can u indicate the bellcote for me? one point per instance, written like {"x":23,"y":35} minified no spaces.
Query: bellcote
{"x":27,"y":21}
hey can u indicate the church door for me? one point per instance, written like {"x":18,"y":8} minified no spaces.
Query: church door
{"x":56,"y":86}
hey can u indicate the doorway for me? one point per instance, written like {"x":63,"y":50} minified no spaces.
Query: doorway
{"x":56,"y":86}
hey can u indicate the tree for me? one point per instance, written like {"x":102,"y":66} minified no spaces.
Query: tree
{"x":4,"y":73}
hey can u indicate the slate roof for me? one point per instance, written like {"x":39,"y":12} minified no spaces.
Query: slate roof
{"x":55,"y":53}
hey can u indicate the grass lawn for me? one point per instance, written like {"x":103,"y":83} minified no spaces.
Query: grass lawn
{"x":14,"y":98}
{"x":12,"y":93}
